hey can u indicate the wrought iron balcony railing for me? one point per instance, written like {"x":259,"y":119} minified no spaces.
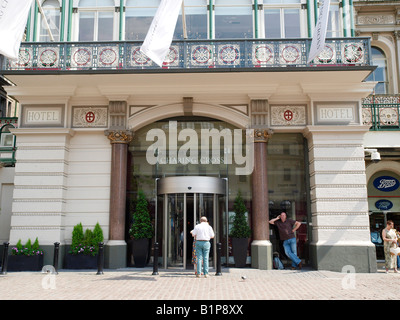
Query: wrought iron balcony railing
{"x":186,"y":55}
{"x":381,"y":112}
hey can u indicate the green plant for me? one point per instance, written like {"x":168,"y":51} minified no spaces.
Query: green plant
{"x":240,"y":228}
{"x":87,"y":242}
{"x":28,"y":249}
{"x":141,"y":222}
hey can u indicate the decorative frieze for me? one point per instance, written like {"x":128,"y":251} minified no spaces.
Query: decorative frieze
{"x":89,"y":117}
{"x":376,"y":19}
{"x":288,"y":115}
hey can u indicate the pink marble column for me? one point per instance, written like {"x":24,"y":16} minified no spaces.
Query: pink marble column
{"x":260,"y":205}
{"x":119,"y":143}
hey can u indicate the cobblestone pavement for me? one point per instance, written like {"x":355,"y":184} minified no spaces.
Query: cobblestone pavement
{"x":140,"y":284}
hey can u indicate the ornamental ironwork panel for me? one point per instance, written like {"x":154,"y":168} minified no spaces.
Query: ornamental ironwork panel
{"x":246,"y":53}
{"x":381,"y":112}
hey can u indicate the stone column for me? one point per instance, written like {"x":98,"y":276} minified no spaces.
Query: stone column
{"x":261,"y":247}
{"x":115,"y":248}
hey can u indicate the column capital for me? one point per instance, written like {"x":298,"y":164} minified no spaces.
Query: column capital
{"x":119,"y":136}
{"x":262,"y":135}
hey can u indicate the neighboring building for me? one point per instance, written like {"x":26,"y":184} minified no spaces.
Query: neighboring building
{"x":92,"y":107}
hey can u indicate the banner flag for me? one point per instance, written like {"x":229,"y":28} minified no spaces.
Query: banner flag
{"x":318,"y":40}
{"x":13,"y":18}
{"x":159,"y":37}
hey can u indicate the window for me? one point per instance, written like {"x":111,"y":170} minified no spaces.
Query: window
{"x":96,"y":20}
{"x":334,"y":29}
{"x":282,"y":19}
{"x":233,"y":21}
{"x":138,"y":17}
{"x":380,"y":73}
{"x":7,"y":138}
{"x":51,"y":9}
{"x":196,"y":20}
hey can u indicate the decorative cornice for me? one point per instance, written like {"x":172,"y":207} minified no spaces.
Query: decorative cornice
{"x":119,"y":136}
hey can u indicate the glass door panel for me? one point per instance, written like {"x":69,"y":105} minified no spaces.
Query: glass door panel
{"x":175,"y":230}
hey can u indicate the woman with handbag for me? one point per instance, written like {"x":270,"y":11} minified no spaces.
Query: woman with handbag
{"x":390,"y":246}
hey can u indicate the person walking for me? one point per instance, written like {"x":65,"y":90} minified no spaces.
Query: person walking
{"x":389,"y":241}
{"x":203,"y":233}
{"x":286,"y":228}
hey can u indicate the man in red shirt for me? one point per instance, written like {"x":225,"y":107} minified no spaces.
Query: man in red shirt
{"x":286,"y":228}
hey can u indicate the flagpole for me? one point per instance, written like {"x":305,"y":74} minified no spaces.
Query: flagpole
{"x":45,"y":20}
{"x":184,"y":20}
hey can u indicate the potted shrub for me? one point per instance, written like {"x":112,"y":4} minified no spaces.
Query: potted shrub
{"x":26,"y":258}
{"x":84,"y":248}
{"x":240,"y":232}
{"x":141,"y":231}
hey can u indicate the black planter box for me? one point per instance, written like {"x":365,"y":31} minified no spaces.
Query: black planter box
{"x":239,"y":248}
{"x":80,"y":261}
{"x":140,"y":250}
{"x":25,"y":263}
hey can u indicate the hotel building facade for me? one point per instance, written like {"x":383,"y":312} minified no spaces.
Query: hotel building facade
{"x":98,"y":121}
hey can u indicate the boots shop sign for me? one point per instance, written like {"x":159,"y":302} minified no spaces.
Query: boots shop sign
{"x":386,"y":183}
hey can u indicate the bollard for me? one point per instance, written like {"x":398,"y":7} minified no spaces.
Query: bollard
{"x":100,"y":260}
{"x":219,"y":249}
{"x":155,"y":262}
{"x":5,"y":259}
{"x":55,"y":258}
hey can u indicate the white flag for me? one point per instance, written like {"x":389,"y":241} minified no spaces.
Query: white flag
{"x":13,"y":18}
{"x":159,"y":37}
{"x":318,"y":40}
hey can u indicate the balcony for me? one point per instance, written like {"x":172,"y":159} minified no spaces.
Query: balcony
{"x":381,"y":112}
{"x":188,"y":56}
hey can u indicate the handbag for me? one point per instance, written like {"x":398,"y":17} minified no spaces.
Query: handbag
{"x":395,"y":250}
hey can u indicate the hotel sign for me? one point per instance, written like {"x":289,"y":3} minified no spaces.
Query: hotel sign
{"x":336,"y":113}
{"x":42,"y":116}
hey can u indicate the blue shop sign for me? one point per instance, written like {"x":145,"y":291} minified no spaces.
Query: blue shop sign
{"x":386,"y":183}
{"x":384,"y":204}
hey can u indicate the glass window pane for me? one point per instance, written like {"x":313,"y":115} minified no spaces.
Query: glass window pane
{"x":196,"y":23}
{"x":86,"y":26}
{"x":51,"y":10}
{"x":105,"y":26}
{"x":292,"y":23}
{"x":272,"y":23}
{"x":233,"y":22}
{"x":333,"y":29}
{"x":138,"y":21}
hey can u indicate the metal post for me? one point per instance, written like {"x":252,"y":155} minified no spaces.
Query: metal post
{"x":55,"y":258}
{"x":5,"y":259}
{"x":100,"y":260}
{"x":155,"y":262}
{"x":219,"y":249}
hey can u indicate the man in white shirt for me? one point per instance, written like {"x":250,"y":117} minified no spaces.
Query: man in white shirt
{"x":203,"y":232}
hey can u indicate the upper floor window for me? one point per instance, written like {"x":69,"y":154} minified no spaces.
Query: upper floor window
{"x":51,"y":9}
{"x":96,"y":20}
{"x":195,"y":20}
{"x":233,"y":19}
{"x":138,"y":17}
{"x":380,"y":73}
{"x":334,"y":28}
{"x":282,"y":19}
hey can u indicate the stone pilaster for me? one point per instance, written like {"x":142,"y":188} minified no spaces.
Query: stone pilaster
{"x":339,"y":203}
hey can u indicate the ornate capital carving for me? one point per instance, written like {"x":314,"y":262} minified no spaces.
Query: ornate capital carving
{"x":262,"y":135}
{"x":119,"y":136}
